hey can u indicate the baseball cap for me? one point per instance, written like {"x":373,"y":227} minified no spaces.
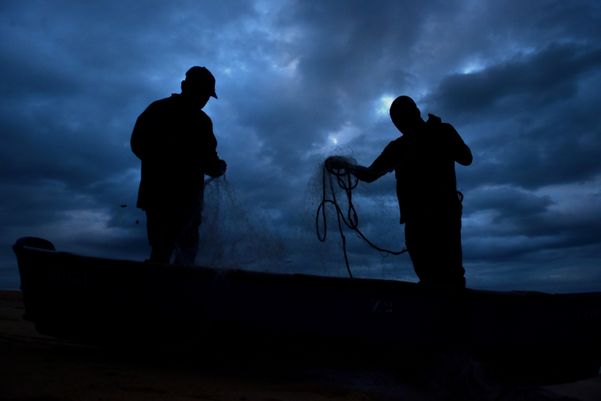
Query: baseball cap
{"x":202,"y":77}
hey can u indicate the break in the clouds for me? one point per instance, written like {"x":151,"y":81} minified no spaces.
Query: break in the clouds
{"x":298,"y":81}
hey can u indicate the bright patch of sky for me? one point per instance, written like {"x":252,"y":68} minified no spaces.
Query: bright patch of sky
{"x":472,"y":66}
{"x":383,"y":105}
{"x":335,"y":140}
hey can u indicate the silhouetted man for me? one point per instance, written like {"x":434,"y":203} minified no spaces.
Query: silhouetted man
{"x":174,"y":140}
{"x":423,"y":160}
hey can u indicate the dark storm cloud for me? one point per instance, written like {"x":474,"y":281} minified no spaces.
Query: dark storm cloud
{"x":512,"y":201}
{"x":548,"y":75}
{"x":336,"y":80}
{"x":298,"y":81}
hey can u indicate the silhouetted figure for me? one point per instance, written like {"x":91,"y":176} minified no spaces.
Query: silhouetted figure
{"x":423,"y":160}
{"x":174,"y":140}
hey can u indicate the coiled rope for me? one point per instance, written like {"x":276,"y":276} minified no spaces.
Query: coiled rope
{"x":347,"y":182}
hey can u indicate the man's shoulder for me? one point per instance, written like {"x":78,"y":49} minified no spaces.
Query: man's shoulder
{"x":161,"y":104}
{"x":173,"y":100}
{"x":173,"y":107}
{"x":397,"y":143}
{"x":436,"y":123}
{"x":394,"y":147}
{"x":446,"y":126}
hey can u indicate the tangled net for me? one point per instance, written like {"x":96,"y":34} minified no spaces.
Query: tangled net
{"x":334,"y":170}
{"x":232,"y":235}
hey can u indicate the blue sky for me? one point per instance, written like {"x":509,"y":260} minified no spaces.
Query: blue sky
{"x":298,"y":81}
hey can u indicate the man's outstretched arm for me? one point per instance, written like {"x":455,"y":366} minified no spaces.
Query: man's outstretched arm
{"x":367,"y":174}
{"x":377,"y":169}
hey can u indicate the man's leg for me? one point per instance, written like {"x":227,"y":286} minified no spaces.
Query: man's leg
{"x":451,"y":255}
{"x":161,"y":235}
{"x":417,"y":248}
{"x":435,"y":251}
{"x":187,"y":241}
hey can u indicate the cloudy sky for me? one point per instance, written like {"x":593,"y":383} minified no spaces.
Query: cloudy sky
{"x":299,"y":81}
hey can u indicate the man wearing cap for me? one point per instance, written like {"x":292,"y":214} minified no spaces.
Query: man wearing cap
{"x":174,"y":140}
{"x":423,"y":159}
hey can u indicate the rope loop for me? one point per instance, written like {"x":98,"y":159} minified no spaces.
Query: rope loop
{"x":347,"y":182}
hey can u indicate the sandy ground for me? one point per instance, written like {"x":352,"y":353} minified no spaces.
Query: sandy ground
{"x":34,"y":367}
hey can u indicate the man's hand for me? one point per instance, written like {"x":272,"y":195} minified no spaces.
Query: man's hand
{"x":222,"y":167}
{"x":337,"y":163}
{"x":218,"y":169}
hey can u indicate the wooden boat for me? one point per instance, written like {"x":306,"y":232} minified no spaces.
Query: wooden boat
{"x":550,"y":337}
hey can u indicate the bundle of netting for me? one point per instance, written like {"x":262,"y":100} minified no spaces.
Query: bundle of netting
{"x":232,"y":235}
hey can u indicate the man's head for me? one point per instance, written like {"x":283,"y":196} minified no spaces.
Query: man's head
{"x":199,"y":85}
{"x":404,"y":114}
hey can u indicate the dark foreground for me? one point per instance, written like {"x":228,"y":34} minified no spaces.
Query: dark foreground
{"x":34,"y":367}
{"x":528,"y":337}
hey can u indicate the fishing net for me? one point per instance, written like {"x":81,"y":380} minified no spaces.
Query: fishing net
{"x":232,"y":235}
{"x":326,"y":232}
{"x":338,"y":199}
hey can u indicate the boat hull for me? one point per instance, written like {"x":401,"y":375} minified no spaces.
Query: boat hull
{"x":553,"y":337}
